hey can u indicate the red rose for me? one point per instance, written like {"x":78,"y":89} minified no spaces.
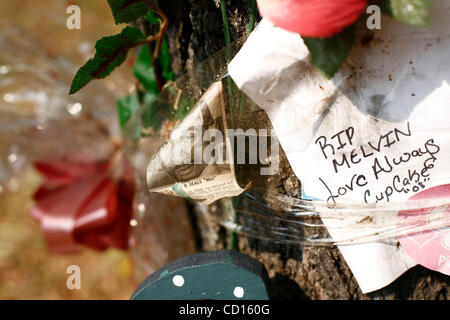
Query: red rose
{"x":83,"y":203}
{"x":312,"y":18}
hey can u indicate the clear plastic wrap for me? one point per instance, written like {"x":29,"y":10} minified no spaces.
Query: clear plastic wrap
{"x":263,"y":212}
{"x":382,"y":234}
{"x":285,"y":219}
{"x":40,"y":122}
{"x":38,"y":118}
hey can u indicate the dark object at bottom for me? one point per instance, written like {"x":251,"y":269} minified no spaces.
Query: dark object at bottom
{"x":219,"y":275}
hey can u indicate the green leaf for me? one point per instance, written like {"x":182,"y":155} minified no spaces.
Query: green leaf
{"x":152,"y":17}
{"x":165,"y":61}
{"x":110,"y":53}
{"x":144,"y":71}
{"x":129,"y":119}
{"x":154,"y":112}
{"x":414,"y":12}
{"x":125,"y":108}
{"x":125,"y":11}
{"x":329,"y":54}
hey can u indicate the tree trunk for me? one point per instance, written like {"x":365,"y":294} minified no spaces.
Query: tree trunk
{"x":196,"y":32}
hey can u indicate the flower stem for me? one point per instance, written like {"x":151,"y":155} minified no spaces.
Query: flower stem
{"x":226,"y":30}
{"x":251,"y":24}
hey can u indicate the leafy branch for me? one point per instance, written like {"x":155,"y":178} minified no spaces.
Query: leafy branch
{"x":112,"y":51}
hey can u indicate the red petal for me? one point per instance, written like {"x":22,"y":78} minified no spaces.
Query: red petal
{"x":60,"y":172}
{"x":79,"y":204}
{"x":312,"y":18}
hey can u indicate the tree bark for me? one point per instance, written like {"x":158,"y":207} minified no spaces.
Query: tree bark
{"x":296,"y":272}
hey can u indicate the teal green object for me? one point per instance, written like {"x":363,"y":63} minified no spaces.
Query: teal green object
{"x":179,"y":191}
{"x":218,"y":275}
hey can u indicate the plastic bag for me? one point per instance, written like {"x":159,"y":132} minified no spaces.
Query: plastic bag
{"x":42,"y":126}
{"x":38,"y":118}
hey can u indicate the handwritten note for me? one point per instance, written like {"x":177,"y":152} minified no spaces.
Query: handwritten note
{"x":403,"y":182}
{"x":378,"y":132}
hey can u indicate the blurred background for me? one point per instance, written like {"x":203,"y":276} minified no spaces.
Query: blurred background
{"x":33,"y":34}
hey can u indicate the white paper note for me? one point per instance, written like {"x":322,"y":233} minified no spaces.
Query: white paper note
{"x":379,"y":130}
